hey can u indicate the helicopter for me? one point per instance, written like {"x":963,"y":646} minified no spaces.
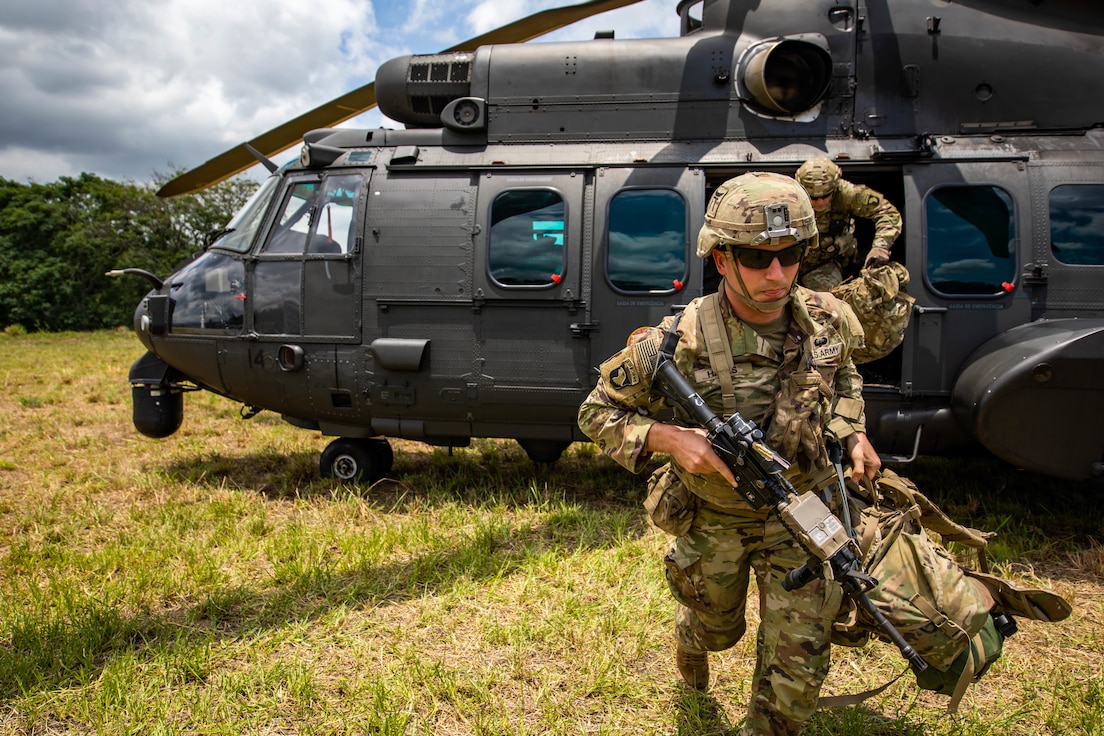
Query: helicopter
{"x":461,"y":276}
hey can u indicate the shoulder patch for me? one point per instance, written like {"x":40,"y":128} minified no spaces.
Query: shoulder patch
{"x":638,"y":334}
{"x":624,"y":375}
{"x":824,"y":349}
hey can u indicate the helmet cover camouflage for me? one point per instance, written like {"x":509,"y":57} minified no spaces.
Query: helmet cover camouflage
{"x":819,"y":176}
{"x":757,"y":208}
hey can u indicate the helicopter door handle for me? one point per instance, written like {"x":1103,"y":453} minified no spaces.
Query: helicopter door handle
{"x":291,"y":358}
{"x":583,"y":329}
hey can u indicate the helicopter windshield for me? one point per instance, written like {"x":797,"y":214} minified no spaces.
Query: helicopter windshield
{"x":238,"y":235}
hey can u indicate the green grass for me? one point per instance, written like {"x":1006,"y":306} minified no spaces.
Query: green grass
{"x":211,"y":583}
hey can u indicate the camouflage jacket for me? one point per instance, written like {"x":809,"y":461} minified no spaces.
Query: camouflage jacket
{"x":837,"y":223}
{"x":823,"y":334}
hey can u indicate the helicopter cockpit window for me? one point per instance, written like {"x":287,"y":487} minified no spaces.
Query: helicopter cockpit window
{"x":209,"y":295}
{"x":238,"y":235}
{"x":526,"y":244}
{"x":293,"y":225}
{"x":647,"y":241}
{"x":970,"y":232}
{"x":334,"y":221}
{"x":1077,"y":224}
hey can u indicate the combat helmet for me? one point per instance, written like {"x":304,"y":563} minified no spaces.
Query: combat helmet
{"x":757,"y":208}
{"x":819,"y":176}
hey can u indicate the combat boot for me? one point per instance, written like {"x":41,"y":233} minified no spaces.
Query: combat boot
{"x":694,"y":667}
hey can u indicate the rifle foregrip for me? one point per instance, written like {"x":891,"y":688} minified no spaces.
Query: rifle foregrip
{"x":799,"y":577}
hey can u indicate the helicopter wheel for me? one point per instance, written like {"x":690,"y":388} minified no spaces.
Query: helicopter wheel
{"x":356,"y":460}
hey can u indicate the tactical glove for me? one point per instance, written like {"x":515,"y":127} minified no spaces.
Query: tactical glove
{"x":878,"y":256}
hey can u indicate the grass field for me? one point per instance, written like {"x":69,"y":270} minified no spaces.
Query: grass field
{"x":211,"y":583}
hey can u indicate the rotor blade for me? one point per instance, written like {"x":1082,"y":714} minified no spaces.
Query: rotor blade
{"x":541,"y":23}
{"x":238,"y":158}
{"x":349,"y":105}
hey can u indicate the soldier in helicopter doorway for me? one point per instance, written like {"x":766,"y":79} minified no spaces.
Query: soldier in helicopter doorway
{"x":837,"y":203}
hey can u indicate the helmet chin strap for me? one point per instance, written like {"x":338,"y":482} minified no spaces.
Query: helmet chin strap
{"x":745,"y":298}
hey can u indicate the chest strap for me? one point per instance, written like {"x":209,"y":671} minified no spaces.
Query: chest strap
{"x":720,"y":350}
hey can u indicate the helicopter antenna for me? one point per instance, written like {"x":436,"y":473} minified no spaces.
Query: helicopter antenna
{"x":268,"y":164}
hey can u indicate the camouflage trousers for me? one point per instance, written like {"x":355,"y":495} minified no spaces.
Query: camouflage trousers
{"x":708,"y":571}
{"x":822,"y":269}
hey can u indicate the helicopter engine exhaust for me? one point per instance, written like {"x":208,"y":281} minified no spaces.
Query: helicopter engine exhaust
{"x":787,"y":76}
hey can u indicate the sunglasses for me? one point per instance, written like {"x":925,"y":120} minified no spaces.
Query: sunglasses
{"x":758,"y":259}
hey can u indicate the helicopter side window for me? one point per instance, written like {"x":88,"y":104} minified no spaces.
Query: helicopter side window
{"x":334,"y":223}
{"x":526,"y":244}
{"x":647,"y":241}
{"x":690,"y":16}
{"x":1076,"y":222}
{"x":970,"y":232}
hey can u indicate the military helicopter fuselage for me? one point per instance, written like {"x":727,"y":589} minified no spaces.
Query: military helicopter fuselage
{"x":463,"y":277}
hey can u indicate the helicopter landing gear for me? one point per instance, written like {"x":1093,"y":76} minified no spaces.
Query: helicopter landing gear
{"x":356,"y":460}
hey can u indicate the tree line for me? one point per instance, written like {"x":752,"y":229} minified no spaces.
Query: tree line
{"x":58,"y":240}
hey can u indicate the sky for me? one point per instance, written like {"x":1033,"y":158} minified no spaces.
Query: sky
{"x":132,"y":89}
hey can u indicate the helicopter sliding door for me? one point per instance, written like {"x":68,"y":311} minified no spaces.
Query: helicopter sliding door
{"x":644,"y":268}
{"x":970,"y":217}
{"x":528,"y":301}
{"x":1067,"y":260}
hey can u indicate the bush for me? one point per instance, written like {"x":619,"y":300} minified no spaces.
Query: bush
{"x":58,"y":240}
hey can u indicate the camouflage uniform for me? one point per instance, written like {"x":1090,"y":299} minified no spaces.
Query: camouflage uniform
{"x":823,"y":266}
{"x":810,"y":390}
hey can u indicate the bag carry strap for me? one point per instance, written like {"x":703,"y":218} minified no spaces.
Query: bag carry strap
{"x":968,"y":671}
{"x":940,"y":620}
{"x":931,"y":516}
{"x":964,"y":680}
{"x":840,"y":701}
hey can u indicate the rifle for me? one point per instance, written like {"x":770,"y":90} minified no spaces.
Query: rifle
{"x":759,"y":472}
